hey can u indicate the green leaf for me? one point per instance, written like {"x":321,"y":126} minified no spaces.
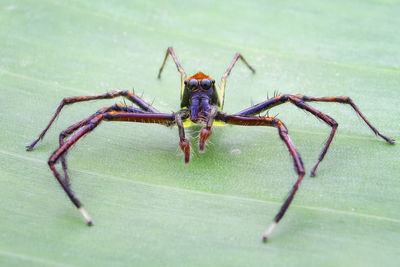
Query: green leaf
{"x":149,"y":207}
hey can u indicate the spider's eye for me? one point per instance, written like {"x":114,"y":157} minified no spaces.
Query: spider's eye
{"x":205,"y":84}
{"x":193,"y":84}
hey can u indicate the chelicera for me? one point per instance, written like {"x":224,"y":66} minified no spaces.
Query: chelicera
{"x":201,"y":104}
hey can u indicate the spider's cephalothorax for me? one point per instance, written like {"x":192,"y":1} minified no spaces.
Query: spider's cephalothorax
{"x":199,"y":96}
{"x":202,"y":104}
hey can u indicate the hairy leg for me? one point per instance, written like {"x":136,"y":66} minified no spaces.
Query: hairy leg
{"x":299,"y":101}
{"x":349,"y":101}
{"x":71,"y":100}
{"x":73,"y":128}
{"x":165,"y":119}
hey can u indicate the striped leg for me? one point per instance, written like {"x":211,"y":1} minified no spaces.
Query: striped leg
{"x":71,"y":100}
{"x":283,"y":133}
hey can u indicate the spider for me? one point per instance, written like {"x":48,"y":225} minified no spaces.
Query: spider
{"x":201,"y":104}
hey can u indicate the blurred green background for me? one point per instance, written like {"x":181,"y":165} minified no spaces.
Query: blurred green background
{"x":149,"y":208}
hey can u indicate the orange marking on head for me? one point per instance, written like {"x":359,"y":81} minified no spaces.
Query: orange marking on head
{"x":200,"y":76}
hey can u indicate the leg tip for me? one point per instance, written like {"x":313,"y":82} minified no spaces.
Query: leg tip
{"x":389,"y":140}
{"x":269,"y":231}
{"x":86,"y":216}
{"x":32,"y":145}
{"x":314,"y":169}
{"x":264,"y":239}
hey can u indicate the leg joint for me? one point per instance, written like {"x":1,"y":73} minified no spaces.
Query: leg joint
{"x":345,"y":99}
{"x":112,"y":107}
{"x":331,"y":122}
{"x":281,"y":126}
{"x":349,"y":100}
{"x":51,"y":161}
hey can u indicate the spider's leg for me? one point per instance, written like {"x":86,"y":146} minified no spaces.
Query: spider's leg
{"x":283,"y":133}
{"x":71,"y":100}
{"x":63,"y":149}
{"x":347,"y":100}
{"x":299,"y":101}
{"x":221,"y":94}
{"x":331,"y":122}
{"x":166,"y":119}
{"x":263,"y":106}
{"x":183,"y":142}
{"x":170,"y":51}
{"x":70,"y":130}
{"x":62,"y":137}
{"x":205,"y":133}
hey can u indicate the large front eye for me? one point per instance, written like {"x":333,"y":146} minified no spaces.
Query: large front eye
{"x":205,"y":84}
{"x":193,"y":84}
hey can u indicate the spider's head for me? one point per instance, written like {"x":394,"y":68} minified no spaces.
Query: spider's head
{"x":200,"y":90}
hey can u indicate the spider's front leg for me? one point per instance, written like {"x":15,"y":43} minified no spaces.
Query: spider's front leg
{"x":283,"y":133}
{"x":160,"y":118}
{"x":183,"y":142}
{"x":73,"y":128}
